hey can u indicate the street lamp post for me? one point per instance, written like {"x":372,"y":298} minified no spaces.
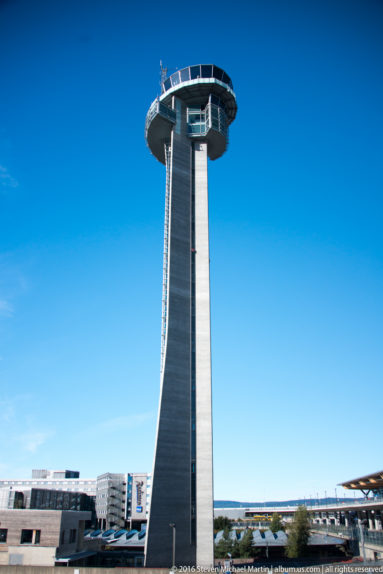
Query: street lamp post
{"x":173,"y":526}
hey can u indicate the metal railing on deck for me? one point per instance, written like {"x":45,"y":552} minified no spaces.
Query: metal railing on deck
{"x":160,"y":108}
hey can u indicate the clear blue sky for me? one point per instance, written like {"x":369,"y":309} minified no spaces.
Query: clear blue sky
{"x":296,"y":238}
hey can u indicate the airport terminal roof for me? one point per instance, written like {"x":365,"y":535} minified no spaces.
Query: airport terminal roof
{"x":369,"y":482}
{"x":118,"y":538}
{"x":267,"y":538}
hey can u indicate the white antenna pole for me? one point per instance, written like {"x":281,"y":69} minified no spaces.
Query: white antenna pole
{"x":163,"y":73}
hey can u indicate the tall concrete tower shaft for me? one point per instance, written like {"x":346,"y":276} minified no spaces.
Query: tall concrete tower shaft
{"x":185,"y":126}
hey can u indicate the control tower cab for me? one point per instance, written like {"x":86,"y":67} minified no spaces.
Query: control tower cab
{"x":204,"y":96}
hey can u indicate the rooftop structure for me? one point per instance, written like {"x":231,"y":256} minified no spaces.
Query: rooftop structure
{"x":366,"y":484}
{"x":187,"y":124}
{"x":87,"y":485}
{"x":56,"y":474}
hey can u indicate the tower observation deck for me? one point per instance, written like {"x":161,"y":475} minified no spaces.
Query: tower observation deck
{"x":187,"y":124}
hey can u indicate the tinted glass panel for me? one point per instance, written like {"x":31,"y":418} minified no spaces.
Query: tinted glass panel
{"x":195,"y":128}
{"x":217,"y":73}
{"x":26,"y":537}
{"x":167,"y":84}
{"x":185,"y":76}
{"x":226,"y":79}
{"x":206,"y":71}
{"x":194,"y":118}
{"x":195,"y":72}
{"x":175,"y":78}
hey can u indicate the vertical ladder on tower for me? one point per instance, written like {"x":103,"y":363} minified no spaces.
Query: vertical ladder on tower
{"x":165,"y":258}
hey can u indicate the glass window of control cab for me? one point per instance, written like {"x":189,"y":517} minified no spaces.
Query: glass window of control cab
{"x":206,"y":71}
{"x":195,"y":72}
{"x":185,"y":75}
{"x":3,"y":535}
{"x":175,"y":79}
{"x":217,"y":73}
{"x":226,"y":79}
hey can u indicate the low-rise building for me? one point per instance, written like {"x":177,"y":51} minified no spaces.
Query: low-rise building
{"x":39,"y":537}
{"x":120,"y":499}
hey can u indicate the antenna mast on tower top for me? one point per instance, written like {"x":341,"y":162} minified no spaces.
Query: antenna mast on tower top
{"x":163,"y":74}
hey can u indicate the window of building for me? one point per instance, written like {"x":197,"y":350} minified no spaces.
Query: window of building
{"x":3,"y":535}
{"x":30,"y":536}
{"x":185,"y":75}
{"x":206,"y":71}
{"x":195,"y":72}
{"x":26,"y":537}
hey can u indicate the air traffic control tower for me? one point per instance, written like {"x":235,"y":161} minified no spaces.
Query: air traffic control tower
{"x":185,"y":126}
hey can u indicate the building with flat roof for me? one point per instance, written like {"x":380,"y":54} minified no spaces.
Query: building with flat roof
{"x":38,"y":537}
{"x":119,"y":499}
{"x":185,"y":126}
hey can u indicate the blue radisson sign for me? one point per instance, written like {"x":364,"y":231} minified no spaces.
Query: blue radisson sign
{"x":138,"y":500}
{"x":140,"y":495}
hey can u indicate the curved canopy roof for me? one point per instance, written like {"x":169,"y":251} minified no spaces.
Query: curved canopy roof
{"x":369,"y":482}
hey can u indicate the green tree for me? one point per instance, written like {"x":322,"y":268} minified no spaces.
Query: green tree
{"x":246,"y":549}
{"x":276,"y":523}
{"x":235,"y":550}
{"x":221,"y":523}
{"x":298,"y":534}
{"x":225,"y":545}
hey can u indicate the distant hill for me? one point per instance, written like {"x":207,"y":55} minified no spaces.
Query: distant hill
{"x":313,"y":501}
